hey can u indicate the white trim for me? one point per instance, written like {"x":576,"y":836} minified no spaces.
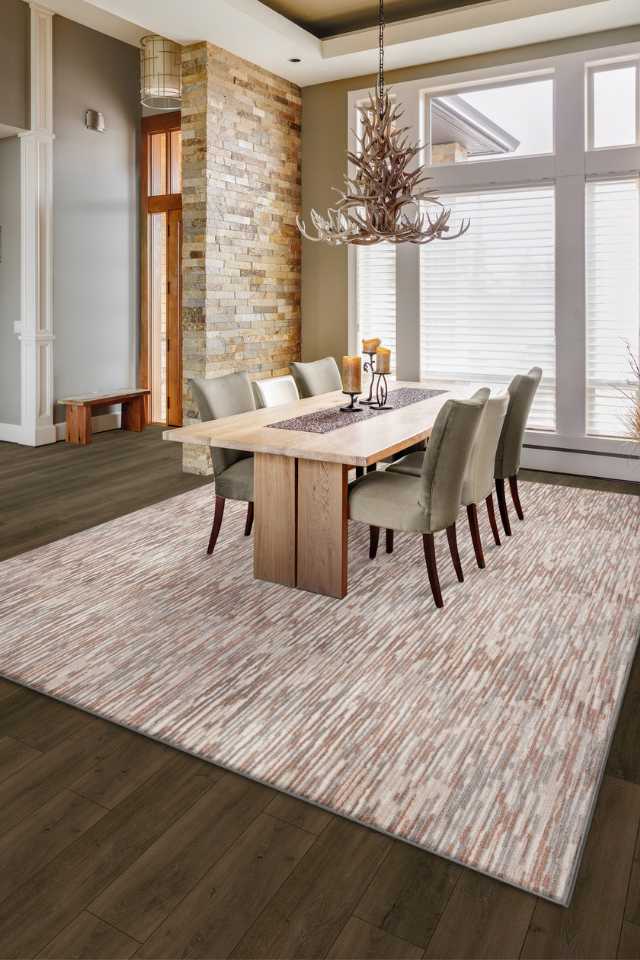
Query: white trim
{"x":36,"y":222}
{"x":11,"y":433}
{"x":99,"y":423}
{"x":581,"y":463}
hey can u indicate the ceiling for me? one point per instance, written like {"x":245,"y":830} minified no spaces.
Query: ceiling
{"x":325,"y":18}
{"x":262,"y":34}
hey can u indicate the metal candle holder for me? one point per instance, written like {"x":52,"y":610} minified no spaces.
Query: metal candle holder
{"x":352,"y":408}
{"x":370,"y":367}
{"x":382,"y":392}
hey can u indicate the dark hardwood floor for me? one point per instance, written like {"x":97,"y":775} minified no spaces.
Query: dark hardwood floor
{"x":112,"y":845}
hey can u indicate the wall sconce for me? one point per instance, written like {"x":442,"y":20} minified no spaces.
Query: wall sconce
{"x":94,"y":120}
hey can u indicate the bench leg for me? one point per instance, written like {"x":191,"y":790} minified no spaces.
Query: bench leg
{"x":78,"y":424}
{"x":133,"y":414}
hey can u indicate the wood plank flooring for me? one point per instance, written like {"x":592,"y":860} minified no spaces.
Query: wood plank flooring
{"x":114,"y":846}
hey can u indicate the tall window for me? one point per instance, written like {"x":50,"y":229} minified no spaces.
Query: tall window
{"x":613,"y":300}
{"x":376,"y":293}
{"x":488,"y":298}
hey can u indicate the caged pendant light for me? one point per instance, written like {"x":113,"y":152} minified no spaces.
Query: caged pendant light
{"x":160,"y":73}
{"x":382,"y":200}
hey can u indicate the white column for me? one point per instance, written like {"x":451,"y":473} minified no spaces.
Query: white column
{"x":36,"y":185}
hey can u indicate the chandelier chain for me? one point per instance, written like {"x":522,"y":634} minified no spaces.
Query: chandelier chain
{"x":381,"y":50}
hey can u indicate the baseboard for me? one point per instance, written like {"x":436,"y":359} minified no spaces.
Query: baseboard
{"x":99,"y":423}
{"x":584,"y":463}
{"x":11,"y":433}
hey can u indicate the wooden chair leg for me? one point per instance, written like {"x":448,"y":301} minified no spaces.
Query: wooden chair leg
{"x":374,"y":536}
{"x":472,"y":516}
{"x":217,"y":521}
{"x":389,"y":540}
{"x":372,"y":467}
{"x":515,"y":496}
{"x":492,"y":519}
{"x":502,"y":504}
{"x":453,"y":547}
{"x":359,"y":472}
{"x":432,"y":569}
{"x":249,"y":521}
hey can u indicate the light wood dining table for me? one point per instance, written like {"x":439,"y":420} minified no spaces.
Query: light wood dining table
{"x":300,"y":479}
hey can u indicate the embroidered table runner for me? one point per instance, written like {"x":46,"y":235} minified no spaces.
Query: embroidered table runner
{"x":325,"y":421}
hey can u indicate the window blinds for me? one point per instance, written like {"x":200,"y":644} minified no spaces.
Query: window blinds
{"x":488,"y":298}
{"x":376,"y":285}
{"x":613,"y":300}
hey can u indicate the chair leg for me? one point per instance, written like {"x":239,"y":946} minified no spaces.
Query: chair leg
{"x":432,"y":569}
{"x":492,"y":519}
{"x":372,"y":467}
{"x":515,"y":496}
{"x":453,"y":547}
{"x":217,"y":521}
{"x":389,"y":540}
{"x":249,"y":521}
{"x":502,"y":504}
{"x":374,"y":536}
{"x":359,"y":472}
{"x":472,"y":515}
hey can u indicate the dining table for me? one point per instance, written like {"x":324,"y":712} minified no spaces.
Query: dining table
{"x":303,"y":452}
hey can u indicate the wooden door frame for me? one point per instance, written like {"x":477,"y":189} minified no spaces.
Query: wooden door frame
{"x":158,"y":123}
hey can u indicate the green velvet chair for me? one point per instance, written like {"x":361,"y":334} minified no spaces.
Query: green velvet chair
{"x":427,"y":503}
{"x":319,"y":376}
{"x":522,"y":391}
{"x":232,"y":469}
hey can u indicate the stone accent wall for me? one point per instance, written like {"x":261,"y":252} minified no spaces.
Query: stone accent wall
{"x":241,"y":192}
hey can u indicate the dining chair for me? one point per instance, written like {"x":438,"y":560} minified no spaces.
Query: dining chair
{"x":275,"y":391}
{"x":478,"y":481}
{"x":522,"y":391}
{"x":232,"y":469}
{"x":426,"y":503}
{"x":319,"y":376}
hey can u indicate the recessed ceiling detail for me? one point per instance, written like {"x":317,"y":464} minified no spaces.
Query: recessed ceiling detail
{"x":326,"y":18}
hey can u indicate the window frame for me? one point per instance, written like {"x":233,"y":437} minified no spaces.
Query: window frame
{"x":606,"y":66}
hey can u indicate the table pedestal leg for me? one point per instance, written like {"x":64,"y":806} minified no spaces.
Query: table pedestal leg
{"x":133,"y":414}
{"x":322,"y":527}
{"x":78,"y":424}
{"x":274,"y":536}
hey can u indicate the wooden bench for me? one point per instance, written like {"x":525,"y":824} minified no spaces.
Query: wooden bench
{"x":79,"y":412}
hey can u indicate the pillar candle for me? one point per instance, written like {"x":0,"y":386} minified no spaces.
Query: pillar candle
{"x":370,"y":346}
{"x":383,"y":360}
{"x":351,"y":380}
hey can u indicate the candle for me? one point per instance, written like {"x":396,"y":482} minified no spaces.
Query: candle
{"x":351,"y":369}
{"x":370,"y":346}
{"x":383,"y":360}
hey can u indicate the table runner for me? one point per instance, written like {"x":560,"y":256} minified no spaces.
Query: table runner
{"x":332,"y":418}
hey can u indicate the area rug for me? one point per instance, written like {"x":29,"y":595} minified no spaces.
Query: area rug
{"x":479,"y":732}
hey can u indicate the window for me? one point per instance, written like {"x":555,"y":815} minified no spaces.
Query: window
{"x":376,"y":267}
{"x":491,"y":123}
{"x":613,"y":105}
{"x":613,"y":300}
{"x":165,"y":160}
{"x":488,"y":298}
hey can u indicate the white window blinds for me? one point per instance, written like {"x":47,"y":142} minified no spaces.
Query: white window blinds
{"x":376,"y":273}
{"x":613,"y":300}
{"x":488,"y":298}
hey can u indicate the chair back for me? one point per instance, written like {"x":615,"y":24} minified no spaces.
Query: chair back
{"x":223,"y":397}
{"x":275,"y":391}
{"x":320,"y":376}
{"x":522,"y":390}
{"x":478,"y":481}
{"x":445,"y":462}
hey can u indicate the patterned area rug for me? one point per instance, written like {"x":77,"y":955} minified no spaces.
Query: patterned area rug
{"x":479,"y":732}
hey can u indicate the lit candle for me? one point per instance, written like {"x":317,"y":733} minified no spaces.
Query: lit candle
{"x":383,"y":360}
{"x":370,"y":346}
{"x":351,"y":370}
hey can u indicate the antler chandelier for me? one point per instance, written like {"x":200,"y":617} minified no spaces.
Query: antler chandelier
{"x":382,"y":201}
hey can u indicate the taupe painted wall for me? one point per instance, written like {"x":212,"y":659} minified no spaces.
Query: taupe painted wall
{"x":95,"y":181}
{"x":14,"y":63}
{"x":9,"y":280}
{"x":324,"y":145}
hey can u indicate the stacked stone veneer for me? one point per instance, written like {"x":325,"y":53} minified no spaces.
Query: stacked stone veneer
{"x":241,"y":247}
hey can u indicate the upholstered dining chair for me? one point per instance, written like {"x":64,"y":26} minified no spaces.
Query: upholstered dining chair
{"x":428,"y":503}
{"x":319,"y":376}
{"x":275,"y":391}
{"x":478,"y":480}
{"x":522,"y":391}
{"x":232,"y":469}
